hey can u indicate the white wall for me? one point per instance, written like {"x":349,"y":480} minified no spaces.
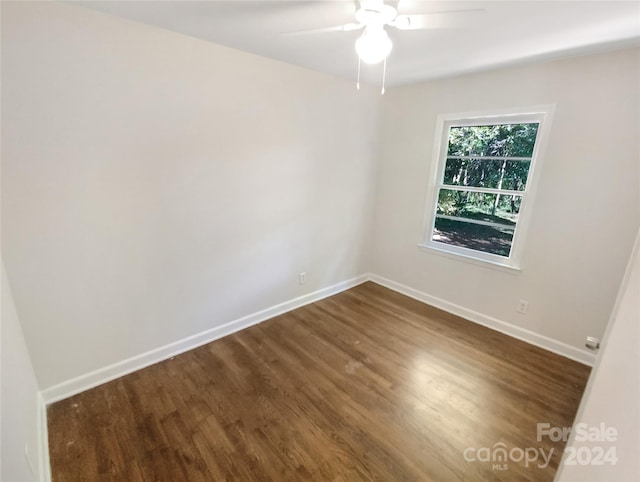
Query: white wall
{"x":155,"y":186}
{"x":19,"y":399}
{"x":587,"y":208}
{"x":612,"y":396}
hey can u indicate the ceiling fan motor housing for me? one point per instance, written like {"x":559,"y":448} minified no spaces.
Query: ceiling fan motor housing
{"x":375,"y":13}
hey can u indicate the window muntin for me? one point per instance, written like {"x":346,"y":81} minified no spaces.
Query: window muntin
{"x":483,"y":179}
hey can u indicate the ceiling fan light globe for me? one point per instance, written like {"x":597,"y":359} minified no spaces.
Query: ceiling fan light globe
{"x":373,"y":46}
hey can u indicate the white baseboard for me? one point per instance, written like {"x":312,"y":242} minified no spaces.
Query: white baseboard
{"x":98,"y":377}
{"x":44,"y":465}
{"x":523,"y":334}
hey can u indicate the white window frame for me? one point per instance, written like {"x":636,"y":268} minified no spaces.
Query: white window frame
{"x":542,"y":115}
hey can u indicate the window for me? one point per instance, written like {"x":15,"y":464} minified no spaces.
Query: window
{"x":483,"y":184}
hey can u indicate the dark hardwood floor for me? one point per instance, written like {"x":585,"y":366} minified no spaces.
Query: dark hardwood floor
{"x":365,"y":385}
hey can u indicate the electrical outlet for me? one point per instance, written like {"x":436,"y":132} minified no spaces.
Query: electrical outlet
{"x":592,"y":343}
{"x":302,"y":278}
{"x":523,"y":306}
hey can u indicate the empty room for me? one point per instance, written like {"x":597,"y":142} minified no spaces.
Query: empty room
{"x":320,"y":240}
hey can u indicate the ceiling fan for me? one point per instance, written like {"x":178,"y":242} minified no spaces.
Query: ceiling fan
{"x":374,"y":45}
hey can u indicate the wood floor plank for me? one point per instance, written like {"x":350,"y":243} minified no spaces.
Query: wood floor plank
{"x":364,"y":385}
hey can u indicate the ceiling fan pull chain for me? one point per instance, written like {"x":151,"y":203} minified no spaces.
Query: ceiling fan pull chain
{"x":358,"y":82}
{"x":384,"y":75}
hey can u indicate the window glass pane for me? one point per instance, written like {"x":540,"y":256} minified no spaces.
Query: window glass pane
{"x":505,"y":140}
{"x":488,"y":239}
{"x":479,"y":206}
{"x":494,"y":174}
{"x":496,"y":156}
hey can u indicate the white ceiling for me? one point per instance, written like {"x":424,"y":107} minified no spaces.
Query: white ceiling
{"x":508,"y":32}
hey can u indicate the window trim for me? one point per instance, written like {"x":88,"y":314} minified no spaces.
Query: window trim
{"x":541,"y":114}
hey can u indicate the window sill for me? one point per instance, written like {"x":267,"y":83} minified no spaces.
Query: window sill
{"x":505,"y":268}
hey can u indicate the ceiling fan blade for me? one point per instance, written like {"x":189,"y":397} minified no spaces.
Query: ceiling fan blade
{"x":435,"y":20}
{"x":339,"y":28}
